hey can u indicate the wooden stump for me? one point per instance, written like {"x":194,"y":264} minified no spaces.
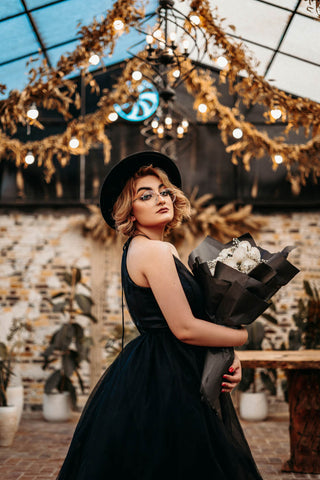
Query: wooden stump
{"x":304,"y":407}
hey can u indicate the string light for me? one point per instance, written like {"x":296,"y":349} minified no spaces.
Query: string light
{"x":74,"y":142}
{"x":118,"y":24}
{"x":154,"y":125}
{"x":33,"y":112}
{"x":136,"y":75}
{"x":195,"y":19}
{"x":176,"y":73}
{"x":276,"y":113}
{"x":237,"y":133}
{"x":94,"y":59}
{"x":222,"y":61}
{"x":29,"y":158}
{"x":202,"y":108}
{"x":278,"y":159}
{"x":113,"y":116}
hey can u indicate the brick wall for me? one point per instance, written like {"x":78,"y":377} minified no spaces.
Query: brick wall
{"x":37,"y":248}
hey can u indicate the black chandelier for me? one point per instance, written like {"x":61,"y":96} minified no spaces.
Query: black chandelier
{"x":174,"y":39}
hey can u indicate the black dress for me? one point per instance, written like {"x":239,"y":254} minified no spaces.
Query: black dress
{"x":145,"y":419}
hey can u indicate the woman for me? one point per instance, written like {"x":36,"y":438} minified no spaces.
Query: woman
{"x":145,"y":419}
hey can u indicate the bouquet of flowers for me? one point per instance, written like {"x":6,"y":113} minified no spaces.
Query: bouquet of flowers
{"x":238,"y":280}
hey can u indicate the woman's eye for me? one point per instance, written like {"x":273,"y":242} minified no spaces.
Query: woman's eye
{"x":165,"y":193}
{"x":146,"y":196}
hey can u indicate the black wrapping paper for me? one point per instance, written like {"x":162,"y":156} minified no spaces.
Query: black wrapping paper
{"x":234,"y":298}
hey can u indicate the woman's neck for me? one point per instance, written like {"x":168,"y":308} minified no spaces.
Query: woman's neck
{"x":149,"y":233}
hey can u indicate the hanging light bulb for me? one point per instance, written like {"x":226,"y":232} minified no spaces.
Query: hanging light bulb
{"x":185,"y":124}
{"x":118,"y":24}
{"x":276,"y":113}
{"x":113,"y":116}
{"x":136,"y":75}
{"x":237,"y":133}
{"x":176,"y":73}
{"x":154,"y":125}
{"x":94,"y":59}
{"x":160,"y":131}
{"x":202,"y":108}
{"x":168,"y":122}
{"x":157,"y":34}
{"x":149,"y":39}
{"x":173,"y":37}
{"x":185,"y":45}
{"x":278,"y":159}
{"x":33,"y":112}
{"x":222,"y":61}
{"x":195,"y":19}
{"x":180,"y":131}
{"x":74,"y":142}
{"x":29,"y":158}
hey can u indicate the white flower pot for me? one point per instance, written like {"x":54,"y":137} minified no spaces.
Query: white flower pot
{"x":8,"y":425}
{"x":15,"y":397}
{"x":253,"y":406}
{"x":57,"y":407}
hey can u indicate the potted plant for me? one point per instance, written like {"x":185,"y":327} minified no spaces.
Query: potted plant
{"x":69,"y":346}
{"x":253,"y":404}
{"x":8,"y":413}
{"x":11,"y":396}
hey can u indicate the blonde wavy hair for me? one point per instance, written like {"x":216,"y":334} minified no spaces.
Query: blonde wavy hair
{"x":122,"y":210}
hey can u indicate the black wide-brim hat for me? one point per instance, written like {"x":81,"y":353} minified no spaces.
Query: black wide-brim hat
{"x":118,"y":176}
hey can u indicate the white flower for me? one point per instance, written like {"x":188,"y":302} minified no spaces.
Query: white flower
{"x":254,"y":254}
{"x":247,"y":265}
{"x":225,"y":253}
{"x":240,"y":253}
{"x":231,"y":263}
{"x":245,"y":245}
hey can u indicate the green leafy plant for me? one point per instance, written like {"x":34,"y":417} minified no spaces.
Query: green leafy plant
{"x":114,"y":340}
{"x":7,"y":355}
{"x":5,"y":372}
{"x":307,"y":320}
{"x":69,"y":345}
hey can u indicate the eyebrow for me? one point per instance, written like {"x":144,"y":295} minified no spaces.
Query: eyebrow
{"x":149,"y":188}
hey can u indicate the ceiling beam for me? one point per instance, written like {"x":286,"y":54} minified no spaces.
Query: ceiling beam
{"x":37,"y":33}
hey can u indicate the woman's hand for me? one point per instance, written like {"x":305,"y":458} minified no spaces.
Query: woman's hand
{"x":233,"y":377}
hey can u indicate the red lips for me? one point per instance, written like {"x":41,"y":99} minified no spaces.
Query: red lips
{"x":163,"y":210}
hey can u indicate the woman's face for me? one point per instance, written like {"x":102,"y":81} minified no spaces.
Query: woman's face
{"x":152,"y":204}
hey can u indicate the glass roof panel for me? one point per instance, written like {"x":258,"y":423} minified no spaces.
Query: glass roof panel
{"x":17,"y":72}
{"x":308,"y":7}
{"x":40,"y":3}
{"x":284,"y":70}
{"x":55,"y":28}
{"x":261,"y":55}
{"x":54,"y":54}
{"x":256,"y":21}
{"x":19,"y":37}
{"x":290,"y":4}
{"x":10,"y":7}
{"x":305,"y":46}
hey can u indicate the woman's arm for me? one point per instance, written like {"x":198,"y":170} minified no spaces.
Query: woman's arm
{"x":157,"y":264}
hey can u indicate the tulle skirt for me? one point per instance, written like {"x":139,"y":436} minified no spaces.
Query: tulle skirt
{"x":145,"y":420}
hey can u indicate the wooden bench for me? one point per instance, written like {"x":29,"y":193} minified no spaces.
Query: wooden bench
{"x":303,"y":373}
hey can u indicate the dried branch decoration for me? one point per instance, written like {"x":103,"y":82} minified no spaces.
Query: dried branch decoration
{"x":51,"y":89}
